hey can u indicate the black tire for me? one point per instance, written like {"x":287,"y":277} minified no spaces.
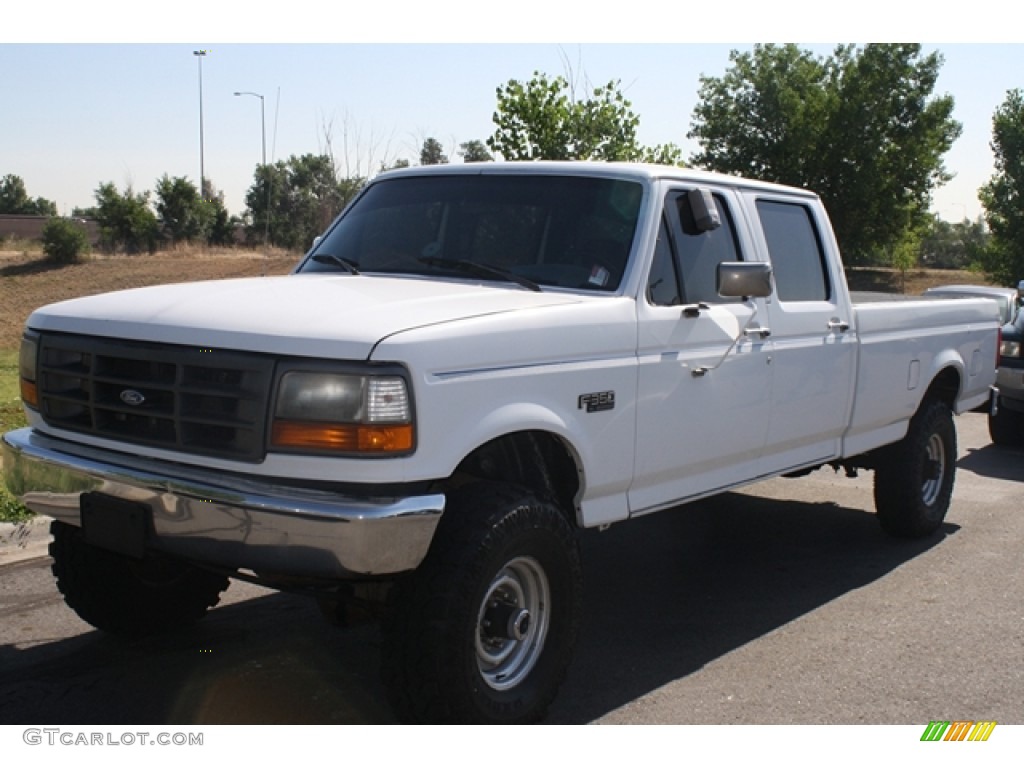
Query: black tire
{"x":914,"y":478}
{"x":128,"y":597}
{"x":1005,"y":427}
{"x":483,"y":631}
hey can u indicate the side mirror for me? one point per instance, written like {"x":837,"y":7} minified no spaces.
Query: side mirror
{"x":704,"y":210}
{"x":744,"y":278}
{"x":316,"y":241}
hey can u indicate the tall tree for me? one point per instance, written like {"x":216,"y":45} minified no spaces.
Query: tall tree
{"x":860,"y":127}
{"x":474,"y":151}
{"x":14,"y":199}
{"x":544,"y":119}
{"x":1003,"y":195}
{"x":432,"y":152}
{"x":304,"y":192}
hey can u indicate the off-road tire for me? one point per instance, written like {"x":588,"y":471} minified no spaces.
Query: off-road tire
{"x":1005,"y":428}
{"x":128,"y":597}
{"x":483,"y":630}
{"x":914,"y":478}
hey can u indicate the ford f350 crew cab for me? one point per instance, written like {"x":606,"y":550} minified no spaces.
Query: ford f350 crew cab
{"x":472,"y":363}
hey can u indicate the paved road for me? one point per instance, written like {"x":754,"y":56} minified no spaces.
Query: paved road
{"x":781,"y":604}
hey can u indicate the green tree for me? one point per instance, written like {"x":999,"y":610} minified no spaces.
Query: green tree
{"x":474,"y":151}
{"x":860,"y":127}
{"x":953,"y":245}
{"x":64,"y":242}
{"x":544,"y":120}
{"x":222,"y":225}
{"x":432,"y":153}
{"x":14,"y":199}
{"x":305,"y":193}
{"x":184,"y":215}
{"x":1003,"y":195}
{"x":126,"y":220}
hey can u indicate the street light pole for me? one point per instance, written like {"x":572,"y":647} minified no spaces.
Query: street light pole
{"x":269,"y":180}
{"x":202,"y":170}
{"x":263,"y":120}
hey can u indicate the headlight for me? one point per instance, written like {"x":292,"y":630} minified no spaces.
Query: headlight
{"x":27,"y":370}
{"x":342,"y":413}
{"x":1009,"y":348}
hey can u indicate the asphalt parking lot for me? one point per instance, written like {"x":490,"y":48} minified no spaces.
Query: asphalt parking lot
{"x":780,"y":604}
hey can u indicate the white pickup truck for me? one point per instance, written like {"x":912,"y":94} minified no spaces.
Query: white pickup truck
{"x":472,"y":363}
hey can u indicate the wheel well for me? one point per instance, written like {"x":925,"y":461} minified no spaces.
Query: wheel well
{"x":539,"y":461}
{"x":945,"y":387}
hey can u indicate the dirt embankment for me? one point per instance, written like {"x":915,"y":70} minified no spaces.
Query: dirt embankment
{"x":28,"y":281}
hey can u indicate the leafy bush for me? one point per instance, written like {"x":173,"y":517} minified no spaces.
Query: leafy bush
{"x":64,"y":241}
{"x":11,"y":510}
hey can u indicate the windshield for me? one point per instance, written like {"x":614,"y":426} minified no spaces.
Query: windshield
{"x":564,"y":231}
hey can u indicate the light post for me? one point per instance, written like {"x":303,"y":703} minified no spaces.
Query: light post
{"x":202,"y":170}
{"x":263,"y":121}
{"x":263,"y":157}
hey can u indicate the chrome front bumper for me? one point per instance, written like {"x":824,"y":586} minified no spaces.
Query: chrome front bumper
{"x":224,"y":520}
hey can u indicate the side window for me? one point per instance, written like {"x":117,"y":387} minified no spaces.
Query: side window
{"x":798,"y":260}
{"x":663,"y":284}
{"x":700,"y":252}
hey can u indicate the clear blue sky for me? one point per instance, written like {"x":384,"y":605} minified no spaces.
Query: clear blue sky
{"x":84,"y":104}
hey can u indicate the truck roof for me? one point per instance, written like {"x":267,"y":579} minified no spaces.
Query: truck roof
{"x":644,"y":172}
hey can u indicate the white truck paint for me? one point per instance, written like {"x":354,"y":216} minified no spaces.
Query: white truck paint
{"x":628,"y":383}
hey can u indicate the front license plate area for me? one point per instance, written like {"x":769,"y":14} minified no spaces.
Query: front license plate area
{"x":115,"y":524}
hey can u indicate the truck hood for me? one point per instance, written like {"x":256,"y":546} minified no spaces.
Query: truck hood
{"x":337,"y":316}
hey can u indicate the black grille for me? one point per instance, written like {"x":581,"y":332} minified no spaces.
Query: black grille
{"x":204,"y":401}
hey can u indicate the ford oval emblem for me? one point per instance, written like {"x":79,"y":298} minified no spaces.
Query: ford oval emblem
{"x":132,"y":397}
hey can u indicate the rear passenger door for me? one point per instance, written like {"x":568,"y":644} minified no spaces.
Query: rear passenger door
{"x":814,"y":354}
{"x":704,"y":386}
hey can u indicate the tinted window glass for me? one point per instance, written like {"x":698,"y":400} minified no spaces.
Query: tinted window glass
{"x":795,"y":249}
{"x":700,"y":253}
{"x":573,"y":232}
{"x":663,"y":283}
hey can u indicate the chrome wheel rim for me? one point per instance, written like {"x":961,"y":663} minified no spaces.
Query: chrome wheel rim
{"x":512,"y":623}
{"x":934,"y":470}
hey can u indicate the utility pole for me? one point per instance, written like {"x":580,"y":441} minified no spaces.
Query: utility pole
{"x":202,"y":170}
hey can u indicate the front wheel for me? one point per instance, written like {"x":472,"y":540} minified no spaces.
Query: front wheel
{"x":484,"y":630}
{"x":914,"y":479}
{"x":125,"y":596}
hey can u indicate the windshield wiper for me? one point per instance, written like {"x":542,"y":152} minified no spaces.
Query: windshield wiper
{"x":330,"y":258}
{"x":480,"y":270}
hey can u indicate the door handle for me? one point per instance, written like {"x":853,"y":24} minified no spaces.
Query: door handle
{"x":763,"y":332}
{"x":838,"y":326}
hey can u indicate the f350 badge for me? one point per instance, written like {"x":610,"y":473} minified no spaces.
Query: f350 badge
{"x":596,"y":401}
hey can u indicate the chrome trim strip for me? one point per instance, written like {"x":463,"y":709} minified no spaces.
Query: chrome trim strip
{"x":224,"y":520}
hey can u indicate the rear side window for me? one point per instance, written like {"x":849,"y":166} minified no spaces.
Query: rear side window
{"x":798,"y":260}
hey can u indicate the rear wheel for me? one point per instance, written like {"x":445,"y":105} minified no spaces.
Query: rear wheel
{"x":125,"y":596}
{"x":914,"y":479}
{"x":483,"y":631}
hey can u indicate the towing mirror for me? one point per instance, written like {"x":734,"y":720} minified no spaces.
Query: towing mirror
{"x":744,"y":278}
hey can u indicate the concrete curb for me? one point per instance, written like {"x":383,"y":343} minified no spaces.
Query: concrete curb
{"x":24,"y":541}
